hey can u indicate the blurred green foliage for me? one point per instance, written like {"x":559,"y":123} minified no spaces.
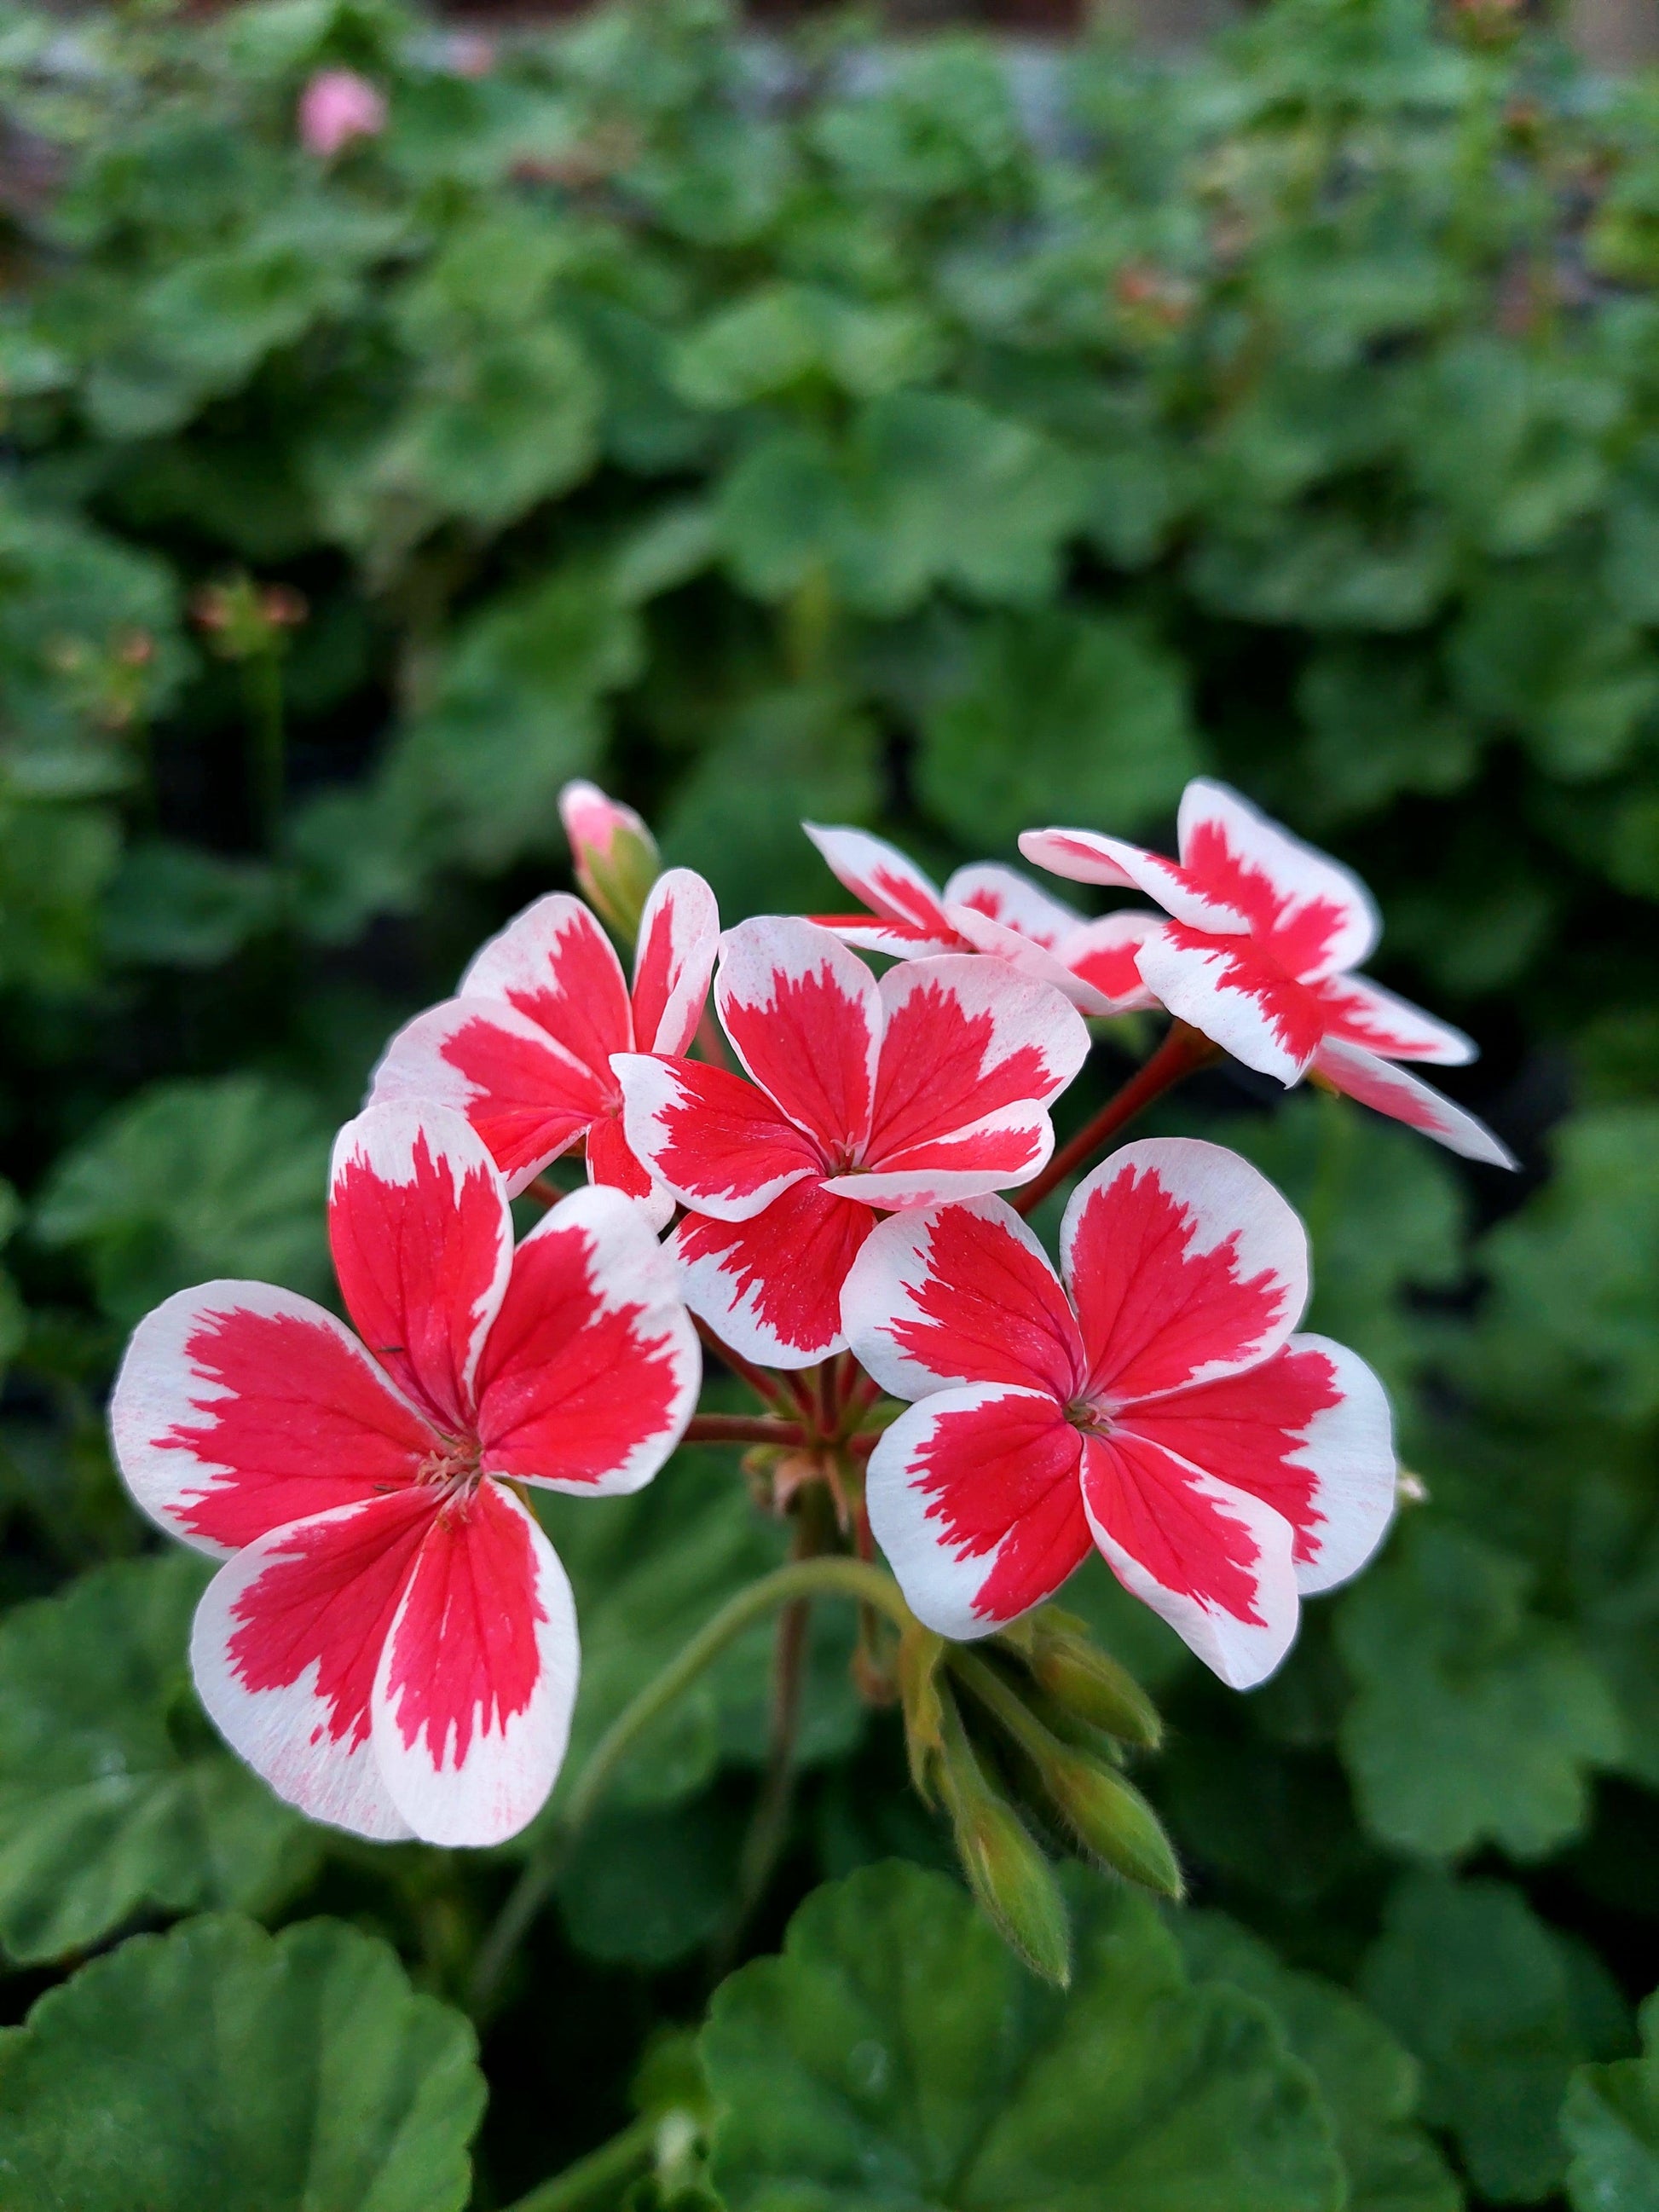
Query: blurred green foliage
{"x":891,"y":434}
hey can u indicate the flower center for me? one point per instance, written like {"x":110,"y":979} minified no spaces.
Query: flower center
{"x":452,"y":1467}
{"x":1091,"y":1416}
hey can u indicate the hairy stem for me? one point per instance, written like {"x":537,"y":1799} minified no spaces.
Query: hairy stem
{"x":833,"y":1576}
{"x":1181,"y":1051}
{"x":598,"y":2180}
{"x":742,"y":1428}
{"x":764,"y":1386}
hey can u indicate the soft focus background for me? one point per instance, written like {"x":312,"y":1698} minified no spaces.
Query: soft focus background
{"x":949,"y":439}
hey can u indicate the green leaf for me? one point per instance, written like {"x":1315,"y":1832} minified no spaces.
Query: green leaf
{"x":516,"y":709}
{"x":180,"y":906}
{"x":784,"y":333}
{"x":1369,"y":2083}
{"x":54,"y":862}
{"x":1063,"y":717}
{"x":219,"y":2066}
{"x":1499,"y":2009}
{"x":789,"y":756}
{"x":1325,"y":569}
{"x":1384,"y":1213}
{"x":499,"y":427}
{"x":1472,"y":1718}
{"x":1611,"y":2121}
{"x":1574,"y":1312}
{"x":190,"y":1181}
{"x":645,"y":1887}
{"x":931,"y":488}
{"x":897,"y":2056}
{"x":116,"y":1797}
{"x":1376,"y":727}
{"x":1540,"y":651}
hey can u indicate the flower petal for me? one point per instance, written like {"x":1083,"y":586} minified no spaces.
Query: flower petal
{"x":526,"y":1097}
{"x":804,"y":1017}
{"x":613,"y":1165}
{"x":1085,"y":857}
{"x":591,"y":1369}
{"x":1105,"y":956}
{"x":718,"y":1144}
{"x":240,"y":1407}
{"x":1237,"y":994}
{"x":554,"y":963}
{"x":1359,"y":1011}
{"x":1184,"y":1263}
{"x":998,"y":1153}
{"x":771,"y":1287}
{"x":890,"y":885}
{"x":1389,"y":1089}
{"x":1316,"y":915}
{"x":1212,"y":1561}
{"x":1001,"y":895}
{"x":285,"y":1646}
{"x":1036,"y":963}
{"x":973,"y":1496}
{"x":961,"y":1294}
{"x":422,"y":1243}
{"x":965,"y":1044}
{"x":1309,"y":1433}
{"x":679,"y":936}
{"x":472,"y":1699}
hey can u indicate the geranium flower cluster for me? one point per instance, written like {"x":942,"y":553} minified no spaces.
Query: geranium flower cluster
{"x":391,"y":1640}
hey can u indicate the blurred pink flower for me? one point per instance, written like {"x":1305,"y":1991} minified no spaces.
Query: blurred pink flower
{"x":337,"y":106}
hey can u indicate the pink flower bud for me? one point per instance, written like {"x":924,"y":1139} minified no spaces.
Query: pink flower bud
{"x":337,"y":106}
{"x":615,"y":856}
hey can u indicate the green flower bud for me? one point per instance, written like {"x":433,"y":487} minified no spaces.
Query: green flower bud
{"x":1112,"y":1821}
{"x":1077,"y":1674}
{"x":1004,"y":1866}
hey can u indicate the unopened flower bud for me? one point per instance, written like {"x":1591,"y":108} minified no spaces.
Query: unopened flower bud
{"x":1077,"y":1674}
{"x":615,"y":854}
{"x":1112,"y":1821}
{"x":1004,"y":1866}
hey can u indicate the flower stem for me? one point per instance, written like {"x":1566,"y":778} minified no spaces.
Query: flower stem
{"x":598,"y":2178}
{"x":836,"y":1576}
{"x":1181,"y":1051}
{"x":742,"y":1428}
{"x":764,"y":1386}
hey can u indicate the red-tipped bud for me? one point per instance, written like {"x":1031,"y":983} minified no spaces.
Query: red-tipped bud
{"x":615,"y":856}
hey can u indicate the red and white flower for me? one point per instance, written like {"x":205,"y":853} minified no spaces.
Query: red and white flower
{"x":391,"y":1643}
{"x":984,"y":908}
{"x":933,"y":1084}
{"x":524,"y":1048}
{"x":1258,"y":951}
{"x":1154,"y":1404}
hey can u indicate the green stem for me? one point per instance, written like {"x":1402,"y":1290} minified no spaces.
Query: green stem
{"x":1181,"y":1051}
{"x":598,"y":2179}
{"x":262,"y":688}
{"x":835,"y":1577}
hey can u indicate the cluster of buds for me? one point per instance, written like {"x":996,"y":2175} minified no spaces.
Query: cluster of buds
{"x":242,"y":619}
{"x":105,"y":682}
{"x":1040,"y":1740}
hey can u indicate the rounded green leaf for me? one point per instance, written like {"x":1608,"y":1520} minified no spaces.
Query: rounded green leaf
{"x":1499,"y":2008}
{"x":221,"y":2070}
{"x":1611,"y":2121}
{"x":896,"y":2056}
{"x":1063,"y":717}
{"x":1368,"y":2080}
{"x":115,"y":1794}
